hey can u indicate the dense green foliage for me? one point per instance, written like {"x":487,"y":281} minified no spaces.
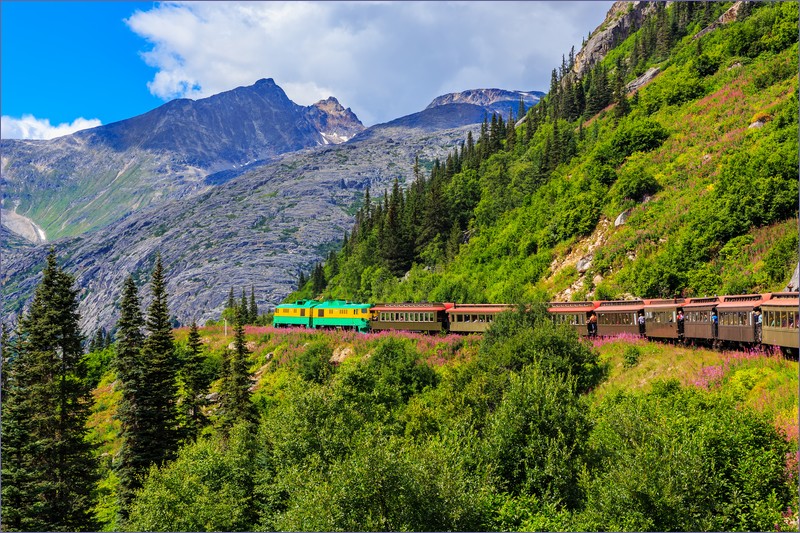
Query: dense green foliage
{"x":504,"y":440}
{"x":668,"y":460}
{"x":489,"y":222}
{"x":49,"y":469}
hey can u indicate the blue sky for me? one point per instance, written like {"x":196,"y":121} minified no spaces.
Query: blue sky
{"x":64,"y":60}
{"x":80,"y":64}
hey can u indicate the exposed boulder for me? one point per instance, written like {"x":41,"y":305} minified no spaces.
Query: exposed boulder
{"x":642,"y":80}
{"x":340,"y":354}
{"x":622,"y":218}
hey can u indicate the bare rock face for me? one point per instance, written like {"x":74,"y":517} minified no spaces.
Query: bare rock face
{"x":334,"y":122}
{"x":622,"y":218}
{"x":731,"y":15}
{"x":642,"y":80}
{"x":621,"y":20}
{"x":261,"y":229}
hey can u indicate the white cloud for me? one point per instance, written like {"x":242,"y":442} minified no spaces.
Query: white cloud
{"x":383,"y":59}
{"x":30,"y":127}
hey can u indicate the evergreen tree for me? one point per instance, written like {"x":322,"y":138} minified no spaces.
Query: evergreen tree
{"x":132,"y":462}
{"x":253,"y":311}
{"x":318,"y":281}
{"x":244,"y":308}
{"x":159,"y":408}
{"x":528,"y":127}
{"x":301,"y":279}
{"x":5,"y":355}
{"x":395,"y":245}
{"x":622,"y":106}
{"x":48,"y":468}
{"x":511,"y":133}
{"x":235,"y":404}
{"x":195,"y":385}
{"x":231,"y":301}
{"x":453,"y":242}
{"x":99,"y":341}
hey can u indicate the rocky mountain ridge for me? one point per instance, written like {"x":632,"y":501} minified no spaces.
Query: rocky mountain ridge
{"x":88,"y":179}
{"x":494,"y":100}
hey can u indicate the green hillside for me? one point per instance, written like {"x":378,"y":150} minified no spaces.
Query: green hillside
{"x":703,"y":159}
{"x":401,"y":431}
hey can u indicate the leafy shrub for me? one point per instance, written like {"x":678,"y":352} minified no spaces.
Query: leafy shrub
{"x":209,"y":487}
{"x":634,"y":185}
{"x":683,"y":90}
{"x":682,"y":459}
{"x":634,"y":135}
{"x":603,"y":173}
{"x":523,"y":337}
{"x":536,"y":436}
{"x":386,"y":484}
{"x":705,"y":65}
{"x":781,"y":258}
{"x":314,"y":363}
{"x":630,"y":357}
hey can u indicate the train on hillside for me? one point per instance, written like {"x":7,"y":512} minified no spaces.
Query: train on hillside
{"x":746,"y":320}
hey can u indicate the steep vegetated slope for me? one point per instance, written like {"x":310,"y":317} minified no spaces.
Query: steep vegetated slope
{"x":667,"y":168}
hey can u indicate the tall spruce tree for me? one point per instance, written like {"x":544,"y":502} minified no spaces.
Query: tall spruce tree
{"x":195,"y":385}
{"x":234,"y":402}
{"x":318,"y":281}
{"x":49,"y":470}
{"x":231,"y":304}
{"x":160,"y":408}
{"x":132,"y":462}
{"x":253,"y":311}
{"x":244,"y":308}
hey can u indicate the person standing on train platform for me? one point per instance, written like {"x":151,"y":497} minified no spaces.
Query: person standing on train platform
{"x":640,"y":319}
{"x":714,"y":323}
{"x":757,"y":320}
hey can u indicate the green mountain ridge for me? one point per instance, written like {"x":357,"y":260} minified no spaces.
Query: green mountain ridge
{"x":701,"y":161}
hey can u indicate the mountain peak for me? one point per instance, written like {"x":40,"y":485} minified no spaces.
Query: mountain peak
{"x":497,"y":100}
{"x":334,"y":122}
